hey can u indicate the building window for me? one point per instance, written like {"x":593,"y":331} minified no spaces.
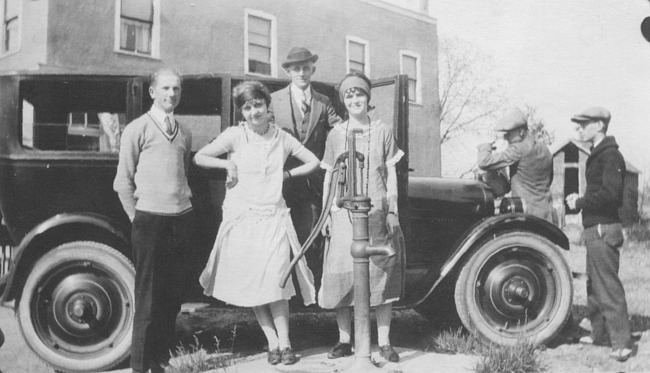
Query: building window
{"x":357,"y":52}
{"x":260,"y":43}
{"x":10,"y":37}
{"x":138,"y":26}
{"x":410,"y":65}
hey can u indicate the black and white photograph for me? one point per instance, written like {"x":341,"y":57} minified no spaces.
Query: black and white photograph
{"x":390,"y":186}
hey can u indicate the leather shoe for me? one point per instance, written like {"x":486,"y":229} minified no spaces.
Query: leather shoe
{"x":340,"y":350}
{"x":621,"y":354}
{"x":589,"y":340}
{"x":389,"y":354}
{"x":288,"y":356}
{"x":273,"y":356}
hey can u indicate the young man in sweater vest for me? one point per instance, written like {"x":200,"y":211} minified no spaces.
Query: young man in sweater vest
{"x":151,"y":183}
{"x":603,"y":235}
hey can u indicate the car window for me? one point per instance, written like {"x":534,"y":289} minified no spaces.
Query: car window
{"x":72,"y":115}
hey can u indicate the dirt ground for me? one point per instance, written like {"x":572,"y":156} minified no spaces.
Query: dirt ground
{"x":236,"y":329}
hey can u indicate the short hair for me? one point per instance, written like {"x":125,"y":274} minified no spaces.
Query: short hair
{"x":153,"y":78}
{"x":250,"y":90}
{"x":605,"y":124}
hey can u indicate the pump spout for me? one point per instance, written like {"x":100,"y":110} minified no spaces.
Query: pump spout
{"x":384,"y":250}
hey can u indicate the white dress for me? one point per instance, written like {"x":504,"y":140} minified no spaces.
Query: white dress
{"x":252,"y":247}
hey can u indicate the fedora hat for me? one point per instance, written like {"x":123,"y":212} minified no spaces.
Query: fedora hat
{"x":297,"y":55}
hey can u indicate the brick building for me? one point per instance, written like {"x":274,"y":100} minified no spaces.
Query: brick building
{"x":243,"y":38}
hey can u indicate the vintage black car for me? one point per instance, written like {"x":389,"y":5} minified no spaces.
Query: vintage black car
{"x":71,"y":280}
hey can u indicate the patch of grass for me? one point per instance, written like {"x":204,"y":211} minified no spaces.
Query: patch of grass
{"x":638,"y":232}
{"x":457,"y":341}
{"x":195,"y":359}
{"x":523,"y":357}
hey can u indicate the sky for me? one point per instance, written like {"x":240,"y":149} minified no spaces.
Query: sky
{"x":562,"y":56}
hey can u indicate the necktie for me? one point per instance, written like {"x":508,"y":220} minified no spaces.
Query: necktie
{"x":304,"y":105}
{"x":168,"y":125}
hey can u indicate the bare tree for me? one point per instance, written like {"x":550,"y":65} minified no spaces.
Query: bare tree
{"x":471,"y":94}
{"x":537,"y":125}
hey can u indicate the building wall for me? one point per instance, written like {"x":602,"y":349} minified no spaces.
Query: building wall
{"x":33,"y":32}
{"x":209,"y":36}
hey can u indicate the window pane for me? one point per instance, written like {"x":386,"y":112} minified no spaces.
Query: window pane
{"x":259,"y":67}
{"x":73,"y":115}
{"x":138,"y":9}
{"x":127,"y":36}
{"x":143,"y":38}
{"x":409,"y":66}
{"x":354,"y":66}
{"x":135,"y":36}
{"x":259,"y":45}
{"x":258,"y":39}
{"x":413,"y":90}
{"x":12,"y":9}
{"x":357,"y":52}
{"x":257,"y":25}
{"x":259,"y":53}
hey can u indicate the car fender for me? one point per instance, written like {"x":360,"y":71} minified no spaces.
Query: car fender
{"x":27,"y":253}
{"x":494,"y":226}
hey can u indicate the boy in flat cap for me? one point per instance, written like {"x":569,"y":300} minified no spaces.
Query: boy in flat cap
{"x":308,"y":116}
{"x":603,"y":234}
{"x":530,"y":162}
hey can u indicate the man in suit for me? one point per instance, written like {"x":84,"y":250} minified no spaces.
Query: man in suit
{"x":308,"y":116}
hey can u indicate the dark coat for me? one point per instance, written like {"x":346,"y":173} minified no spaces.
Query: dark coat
{"x":322,"y":118}
{"x":605,"y":176}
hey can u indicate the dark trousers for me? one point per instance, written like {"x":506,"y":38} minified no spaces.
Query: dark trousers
{"x":304,"y":215}
{"x":605,"y":294}
{"x":161,"y":245}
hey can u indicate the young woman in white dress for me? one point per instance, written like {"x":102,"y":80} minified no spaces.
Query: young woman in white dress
{"x":254,"y":239}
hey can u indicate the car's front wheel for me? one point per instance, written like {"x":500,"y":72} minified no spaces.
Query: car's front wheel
{"x":515,"y":286}
{"x":76,"y":308}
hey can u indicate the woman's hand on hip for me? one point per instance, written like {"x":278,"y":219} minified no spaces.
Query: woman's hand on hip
{"x":392,"y":223}
{"x":231,"y":179}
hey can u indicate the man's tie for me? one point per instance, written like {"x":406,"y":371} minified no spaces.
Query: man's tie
{"x":168,"y":125}
{"x":304,"y":106}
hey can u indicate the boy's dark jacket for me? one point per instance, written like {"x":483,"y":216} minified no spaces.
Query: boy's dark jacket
{"x":605,"y":176}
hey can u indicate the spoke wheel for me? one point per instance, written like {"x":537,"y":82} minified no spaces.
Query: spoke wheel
{"x":76,"y":309}
{"x":516,"y":286}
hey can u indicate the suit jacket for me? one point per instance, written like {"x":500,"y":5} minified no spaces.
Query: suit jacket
{"x":322,"y":118}
{"x":531,"y":172}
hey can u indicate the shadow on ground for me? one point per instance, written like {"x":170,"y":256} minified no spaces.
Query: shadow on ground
{"x":236,"y":329}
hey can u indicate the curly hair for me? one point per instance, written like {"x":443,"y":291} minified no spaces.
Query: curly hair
{"x":250,"y":90}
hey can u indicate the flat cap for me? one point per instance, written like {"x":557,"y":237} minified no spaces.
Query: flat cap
{"x":593,"y":113}
{"x":514,"y":118}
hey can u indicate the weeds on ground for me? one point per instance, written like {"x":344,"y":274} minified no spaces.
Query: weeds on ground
{"x":638,"y":232}
{"x":457,"y":342}
{"x":195,"y":359}
{"x":522,"y":357}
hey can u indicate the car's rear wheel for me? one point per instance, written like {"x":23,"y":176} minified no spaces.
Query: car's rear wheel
{"x":76,"y":308}
{"x":513,"y":287}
